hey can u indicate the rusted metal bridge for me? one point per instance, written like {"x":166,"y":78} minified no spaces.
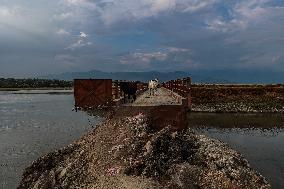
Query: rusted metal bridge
{"x":168,"y":105}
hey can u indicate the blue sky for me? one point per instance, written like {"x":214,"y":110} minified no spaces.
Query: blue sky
{"x":39,"y":37}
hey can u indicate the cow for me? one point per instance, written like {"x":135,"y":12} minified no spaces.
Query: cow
{"x":129,"y":89}
{"x":153,"y":85}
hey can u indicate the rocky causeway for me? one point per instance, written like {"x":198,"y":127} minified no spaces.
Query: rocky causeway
{"x":126,"y":152}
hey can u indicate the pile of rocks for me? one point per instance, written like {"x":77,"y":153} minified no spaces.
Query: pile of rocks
{"x":186,"y":160}
{"x":127,"y":152}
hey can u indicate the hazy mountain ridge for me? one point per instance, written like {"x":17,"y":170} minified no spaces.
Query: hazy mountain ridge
{"x":201,"y":76}
{"x":133,"y":76}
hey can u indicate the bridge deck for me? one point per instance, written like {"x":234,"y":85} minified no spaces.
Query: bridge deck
{"x":162,"y":96}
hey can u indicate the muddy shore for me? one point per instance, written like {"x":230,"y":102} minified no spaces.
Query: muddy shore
{"x":238,"y":98}
{"x":126,"y":152}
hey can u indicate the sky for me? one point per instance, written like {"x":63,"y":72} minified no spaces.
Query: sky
{"x":39,"y":37}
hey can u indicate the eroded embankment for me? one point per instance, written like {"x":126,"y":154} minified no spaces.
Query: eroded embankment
{"x":127,"y":153}
{"x":238,"y":98}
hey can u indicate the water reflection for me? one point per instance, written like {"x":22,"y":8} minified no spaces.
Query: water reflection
{"x":236,"y":120}
{"x":259,"y":137}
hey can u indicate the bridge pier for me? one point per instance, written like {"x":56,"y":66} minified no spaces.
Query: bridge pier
{"x":168,"y":106}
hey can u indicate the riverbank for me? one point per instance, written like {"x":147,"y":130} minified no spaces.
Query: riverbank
{"x":39,"y":89}
{"x":125,"y":152}
{"x":51,"y":91}
{"x":238,"y":98}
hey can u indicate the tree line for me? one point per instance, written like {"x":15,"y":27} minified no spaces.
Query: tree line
{"x":34,"y":83}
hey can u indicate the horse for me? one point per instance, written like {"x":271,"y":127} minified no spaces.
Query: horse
{"x":153,"y":85}
{"x":129,"y":89}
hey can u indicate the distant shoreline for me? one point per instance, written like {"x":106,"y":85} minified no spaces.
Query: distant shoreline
{"x":238,"y":98}
{"x":42,"y":88}
{"x":51,"y":91}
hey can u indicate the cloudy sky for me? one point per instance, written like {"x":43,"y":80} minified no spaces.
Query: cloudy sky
{"x":39,"y":37}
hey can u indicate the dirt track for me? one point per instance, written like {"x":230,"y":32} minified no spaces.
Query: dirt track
{"x":161,"y":97}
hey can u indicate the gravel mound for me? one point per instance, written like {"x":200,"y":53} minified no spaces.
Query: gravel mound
{"x":126,"y":152}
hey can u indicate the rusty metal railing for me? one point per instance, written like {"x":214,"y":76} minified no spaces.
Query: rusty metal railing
{"x":181,"y":87}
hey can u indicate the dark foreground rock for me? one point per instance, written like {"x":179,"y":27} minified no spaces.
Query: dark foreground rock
{"x":127,"y":153}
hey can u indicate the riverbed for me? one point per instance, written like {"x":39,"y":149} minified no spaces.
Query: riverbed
{"x":33,"y":123}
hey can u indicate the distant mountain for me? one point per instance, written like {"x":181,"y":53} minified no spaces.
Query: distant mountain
{"x":134,"y":76}
{"x":245,"y":76}
{"x":198,"y":76}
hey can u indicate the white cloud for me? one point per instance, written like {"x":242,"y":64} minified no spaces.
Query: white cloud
{"x":251,"y":10}
{"x":80,"y":42}
{"x":161,"y":23}
{"x":4,"y":11}
{"x":176,"y":49}
{"x":83,"y":35}
{"x":75,"y":2}
{"x":131,"y":10}
{"x":161,"y":59}
{"x":196,"y":5}
{"x":244,"y":14}
{"x":157,"y":6}
{"x":160,"y":55}
{"x":81,"y":3}
{"x":9,"y":11}
{"x":63,"y":16}
{"x":62,"y":32}
{"x":25,"y":20}
{"x":142,"y":58}
{"x":77,"y":44}
{"x":219,"y":25}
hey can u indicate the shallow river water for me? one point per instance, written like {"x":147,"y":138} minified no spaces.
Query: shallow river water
{"x":259,"y":137}
{"x":32,"y":125}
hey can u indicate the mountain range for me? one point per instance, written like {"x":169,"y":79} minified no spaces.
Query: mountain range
{"x":202,"y":76}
